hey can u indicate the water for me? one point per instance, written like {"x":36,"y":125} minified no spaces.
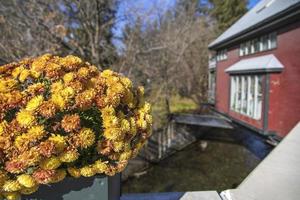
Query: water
{"x":231,"y":154}
{"x":222,"y":165}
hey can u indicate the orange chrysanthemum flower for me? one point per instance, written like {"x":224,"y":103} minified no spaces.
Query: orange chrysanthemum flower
{"x":71,"y":122}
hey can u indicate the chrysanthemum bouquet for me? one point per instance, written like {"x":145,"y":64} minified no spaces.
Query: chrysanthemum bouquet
{"x":62,"y":116}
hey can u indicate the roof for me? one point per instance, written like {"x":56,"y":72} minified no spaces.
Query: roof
{"x":263,"y":11}
{"x":267,"y":63}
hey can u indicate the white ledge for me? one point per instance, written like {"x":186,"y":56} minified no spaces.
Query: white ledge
{"x":267,"y":63}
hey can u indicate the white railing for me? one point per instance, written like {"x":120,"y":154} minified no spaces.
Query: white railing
{"x":212,"y":64}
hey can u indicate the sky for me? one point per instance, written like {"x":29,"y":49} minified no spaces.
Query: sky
{"x":252,"y":3}
{"x":144,"y":6}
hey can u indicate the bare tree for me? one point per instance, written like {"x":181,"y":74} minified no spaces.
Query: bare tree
{"x":171,"y":49}
{"x":33,"y":27}
{"x":168,"y":49}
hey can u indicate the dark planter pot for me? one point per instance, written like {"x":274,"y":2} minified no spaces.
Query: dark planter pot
{"x":93,"y":188}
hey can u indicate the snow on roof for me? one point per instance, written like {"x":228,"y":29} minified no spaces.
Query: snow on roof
{"x":262,"y":11}
{"x":267,"y":63}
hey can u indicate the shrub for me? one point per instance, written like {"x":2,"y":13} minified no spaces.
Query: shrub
{"x":61,"y":116}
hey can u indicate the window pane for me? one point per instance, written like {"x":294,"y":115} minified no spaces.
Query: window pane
{"x":273,"y":40}
{"x":245,"y":95}
{"x":236,"y":92}
{"x":259,"y":99}
{"x":264,"y":43}
{"x":251,"y":97}
{"x":252,"y":47}
{"x":242,"y":49}
{"x":248,"y":48}
{"x":239,"y":98}
{"x":232,"y":93}
{"x":256,"y":45}
{"x":248,"y":94}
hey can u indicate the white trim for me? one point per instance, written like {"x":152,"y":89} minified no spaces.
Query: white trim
{"x":249,"y":94}
{"x":266,"y":63}
{"x":243,"y":99}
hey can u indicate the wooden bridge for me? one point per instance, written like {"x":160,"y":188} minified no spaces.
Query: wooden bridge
{"x":177,"y":134}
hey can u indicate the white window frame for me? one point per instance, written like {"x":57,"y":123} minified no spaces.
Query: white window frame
{"x":222,"y":55}
{"x":240,"y":100}
{"x":264,"y":43}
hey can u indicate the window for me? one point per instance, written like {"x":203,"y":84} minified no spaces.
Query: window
{"x":242,"y":49}
{"x":222,"y":55}
{"x":264,"y":43}
{"x":273,"y":40}
{"x":246,"y":95}
{"x":211,"y":85}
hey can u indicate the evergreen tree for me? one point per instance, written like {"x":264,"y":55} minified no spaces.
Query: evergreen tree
{"x":227,"y":12}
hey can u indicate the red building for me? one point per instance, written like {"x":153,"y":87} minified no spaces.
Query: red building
{"x":255,"y":76}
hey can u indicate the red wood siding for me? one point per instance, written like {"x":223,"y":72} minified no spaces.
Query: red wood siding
{"x":223,"y":81}
{"x":284,"y":100}
{"x":284,"y":112}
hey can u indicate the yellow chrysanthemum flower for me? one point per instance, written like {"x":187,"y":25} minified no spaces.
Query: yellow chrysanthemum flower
{"x":108,"y":111}
{"x":30,"y":190}
{"x":68,"y":156}
{"x":129,"y":99}
{"x":83,"y":72}
{"x":7,"y":85}
{"x":59,"y":142}
{"x":22,"y":141}
{"x":59,"y":176}
{"x":35,"y":87}
{"x":118,"y":145}
{"x":70,"y":61}
{"x":31,"y":157}
{"x":87,"y":171}
{"x":127,"y":82}
{"x":149,"y":119}
{"x":68,"y":77}
{"x":40,"y":63}
{"x":35,"y":74}
{"x":27,"y":181}
{"x":23,"y":75}
{"x":50,"y":163}
{"x":58,"y":100}
{"x":110,"y":121}
{"x":36,"y":132}
{"x":34,"y":103}
{"x":11,"y":186}
{"x":125,"y":155}
{"x":57,"y":87}
{"x":74,"y":172}
{"x":147,"y":107}
{"x":3,"y":127}
{"x":107,"y":73}
{"x":86,"y":137}
{"x":125,"y":125}
{"x":142,"y":124}
{"x":53,"y":67}
{"x":12,"y":196}
{"x":133,"y":128}
{"x":16,"y":72}
{"x":113,"y":133}
{"x":25,"y":118}
{"x":67,"y":93}
{"x":100,"y":166}
{"x":113,"y":100}
{"x":140,"y":96}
